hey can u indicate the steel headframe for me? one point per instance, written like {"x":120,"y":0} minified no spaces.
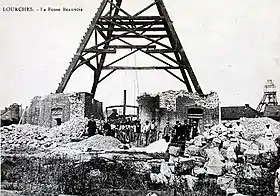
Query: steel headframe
{"x":111,"y":23}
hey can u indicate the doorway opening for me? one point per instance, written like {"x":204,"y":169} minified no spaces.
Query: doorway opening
{"x":58,"y":121}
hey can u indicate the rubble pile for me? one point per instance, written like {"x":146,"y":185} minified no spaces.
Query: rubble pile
{"x":255,"y":126}
{"x":31,"y":138}
{"x":219,"y":150}
{"x":159,"y":146}
{"x":96,"y":142}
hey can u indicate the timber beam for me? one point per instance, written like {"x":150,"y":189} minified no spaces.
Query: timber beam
{"x":132,"y":46}
{"x":139,"y":67}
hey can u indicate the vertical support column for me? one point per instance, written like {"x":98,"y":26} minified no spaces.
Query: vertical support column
{"x":124,"y":104}
{"x":138,"y":112}
{"x":103,"y":56}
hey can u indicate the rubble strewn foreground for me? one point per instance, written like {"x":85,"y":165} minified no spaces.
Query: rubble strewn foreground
{"x":94,"y":143}
{"x":30,"y":138}
{"x":234,"y":161}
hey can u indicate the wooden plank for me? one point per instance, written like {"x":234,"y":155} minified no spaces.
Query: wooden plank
{"x":138,"y":29}
{"x":139,"y":67}
{"x":131,"y":18}
{"x":88,"y":63}
{"x":94,"y":50}
{"x":135,"y":22}
{"x":138,"y":36}
{"x":145,"y":9}
{"x":119,"y":106}
{"x":132,"y":46}
{"x":161,"y":51}
{"x":174,"y":75}
{"x":103,"y":56}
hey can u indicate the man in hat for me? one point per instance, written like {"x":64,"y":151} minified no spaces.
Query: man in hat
{"x":153,"y":134}
{"x":138,"y":132}
{"x":167,"y":132}
{"x":107,"y":128}
{"x":176,"y":132}
{"x":194,"y":130}
{"x":186,"y":129}
{"x":147,"y":131}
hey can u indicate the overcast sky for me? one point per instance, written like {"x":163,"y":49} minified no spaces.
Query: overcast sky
{"x":232,"y":45}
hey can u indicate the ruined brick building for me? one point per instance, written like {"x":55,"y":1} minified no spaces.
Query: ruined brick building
{"x":10,"y":115}
{"x":54,"y":109}
{"x":178,"y":106}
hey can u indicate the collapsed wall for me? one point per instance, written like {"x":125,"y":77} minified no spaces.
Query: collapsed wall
{"x":175,"y":106}
{"x":10,"y":115}
{"x":54,"y":109}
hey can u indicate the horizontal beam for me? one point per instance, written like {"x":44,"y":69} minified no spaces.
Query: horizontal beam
{"x":139,"y":67}
{"x":132,"y":18}
{"x":137,"y":36}
{"x":134,"y":22}
{"x":94,"y":50}
{"x":161,"y":51}
{"x":134,"y":29}
{"x":132,"y":46}
{"x":121,"y":106}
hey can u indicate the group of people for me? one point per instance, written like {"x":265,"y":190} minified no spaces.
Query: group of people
{"x":142,"y":135}
{"x":180,"y":132}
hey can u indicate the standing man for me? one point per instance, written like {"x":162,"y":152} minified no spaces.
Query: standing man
{"x":167,"y":132}
{"x":176,"y":133}
{"x":101,"y":127}
{"x":186,"y":129}
{"x":153,"y":131}
{"x":146,"y":131}
{"x":107,"y":129}
{"x":138,"y":133}
{"x":195,"y":130}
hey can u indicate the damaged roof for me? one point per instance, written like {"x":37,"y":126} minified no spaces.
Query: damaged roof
{"x":237,"y":112}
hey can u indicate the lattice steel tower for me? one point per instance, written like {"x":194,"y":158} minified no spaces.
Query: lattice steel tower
{"x":113,"y":29}
{"x":269,"y":97}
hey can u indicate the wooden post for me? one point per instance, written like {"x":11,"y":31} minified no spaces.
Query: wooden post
{"x":124,"y":104}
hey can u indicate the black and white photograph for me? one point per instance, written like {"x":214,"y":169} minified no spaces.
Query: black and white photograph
{"x":140,"y":97}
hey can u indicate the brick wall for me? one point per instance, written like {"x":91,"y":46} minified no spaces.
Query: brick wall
{"x":77,"y":104}
{"x":93,"y":108}
{"x":147,"y":107}
{"x":48,"y":110}
{"x":10,"y":115}
{"x":173,"y":105}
